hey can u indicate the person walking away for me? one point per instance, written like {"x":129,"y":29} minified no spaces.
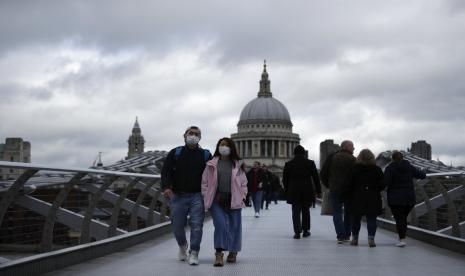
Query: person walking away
{"x":301,"y":185}
{"x":398,"y":177}
{"x":365,"y":195}
{"x":224,"y":188}
{"x":181,"y":178}
{"x":275,"y":188}
{"x":255,"y":186}
{"x":336,"y":172}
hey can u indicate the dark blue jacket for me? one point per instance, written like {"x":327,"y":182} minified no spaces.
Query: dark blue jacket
{"x":398,"y":177}
{"x":184,"y":174}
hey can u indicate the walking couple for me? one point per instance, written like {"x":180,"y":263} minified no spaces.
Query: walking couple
{"x":194,"y":182}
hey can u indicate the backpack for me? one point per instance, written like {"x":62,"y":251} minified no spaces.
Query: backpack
{"x":177,"y":153}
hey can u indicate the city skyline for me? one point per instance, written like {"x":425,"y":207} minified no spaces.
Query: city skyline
{"x":74,"y":75}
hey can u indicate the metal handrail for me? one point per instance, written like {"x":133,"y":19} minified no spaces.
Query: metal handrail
{"x":18,"y":165}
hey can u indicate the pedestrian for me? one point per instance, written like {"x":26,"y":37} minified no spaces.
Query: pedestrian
{"x":267,"y":189}
{"x":275,"y":188}
{"x":301,"y":185}
{"x":336,"y":177}
{"x":398,"y":177}
{"x":181,"y":178}
{"x":365,"y":200}
{"x":224,"y":188}
{"x":255,"y":186}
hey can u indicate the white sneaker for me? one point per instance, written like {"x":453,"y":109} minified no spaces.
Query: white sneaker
{"x":182,"y":255}
{"x":257,"y":215}
{"x":194,"y":258}
{"x":401,"y":243}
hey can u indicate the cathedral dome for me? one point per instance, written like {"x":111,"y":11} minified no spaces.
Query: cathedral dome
{"x":265,"y":109}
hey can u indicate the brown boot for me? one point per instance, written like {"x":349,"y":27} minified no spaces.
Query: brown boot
{"x":218,"y":259}
{"x":231,"y":257}
{"x":371,"y":243}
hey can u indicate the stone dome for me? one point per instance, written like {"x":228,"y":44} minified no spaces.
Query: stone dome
{"x":265,"y":109}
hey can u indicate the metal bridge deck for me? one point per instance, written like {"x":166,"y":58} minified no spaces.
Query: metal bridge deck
{"x":268,"y":249}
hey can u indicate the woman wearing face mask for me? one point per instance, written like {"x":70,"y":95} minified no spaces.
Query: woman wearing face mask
{"x":224,"y":187}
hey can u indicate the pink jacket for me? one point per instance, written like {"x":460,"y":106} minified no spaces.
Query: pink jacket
{"x":238,"y":184}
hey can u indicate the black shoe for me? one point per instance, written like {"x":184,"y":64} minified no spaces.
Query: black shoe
{"x":297,"y":236}
{"x":306,"y":234}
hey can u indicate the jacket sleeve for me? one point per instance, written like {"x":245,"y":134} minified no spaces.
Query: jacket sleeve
{"x":243,"y":181}
{"x":387,"y":180}
{"x":381,"y":183}
{"x":167,"y":172}
{"x":417,"y":173}
{"x":315,"y":178}
{"x":324,"y":172}
{"x":205,"y":176}
{"x":286,"y":177}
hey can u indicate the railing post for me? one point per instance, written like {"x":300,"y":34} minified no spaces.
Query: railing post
{"x":135,"y":209}
{"x":47,"y":234}
{"x":13,"y":191}
{"x":85,"y":229}
{"x":452,"y":215}
{"x":117,"y":207}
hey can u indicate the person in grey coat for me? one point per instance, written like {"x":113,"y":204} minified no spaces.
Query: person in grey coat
{"x":337,"y":171}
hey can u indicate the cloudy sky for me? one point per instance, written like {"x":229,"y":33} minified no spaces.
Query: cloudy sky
{"x":75,"y":74}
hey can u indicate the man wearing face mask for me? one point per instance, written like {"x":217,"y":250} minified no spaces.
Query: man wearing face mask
{"x":181,"y":178}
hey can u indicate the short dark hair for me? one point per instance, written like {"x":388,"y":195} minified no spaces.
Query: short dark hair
{"x":192,"y":127}
{"x":397,"y":156}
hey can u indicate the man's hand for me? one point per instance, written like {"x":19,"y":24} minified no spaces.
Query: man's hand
{"x":168,"y":194}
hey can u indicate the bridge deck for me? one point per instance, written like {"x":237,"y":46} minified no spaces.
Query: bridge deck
{"x":268,"y":249}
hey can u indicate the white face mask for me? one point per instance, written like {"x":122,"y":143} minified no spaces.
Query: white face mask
{"x":192,"y":140}
{"x":224,"y":150}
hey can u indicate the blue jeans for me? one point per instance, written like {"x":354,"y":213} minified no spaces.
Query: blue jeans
{"x":341,"y":225}
{"x":257,"y":200}
{"x":187,"y":204}
{"x":371,"y":225}
{"x":228,"y":228}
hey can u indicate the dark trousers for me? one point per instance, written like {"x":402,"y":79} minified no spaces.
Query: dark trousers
{"x":371,"y":225}
{"x":400,"y":214}
{"x":341,"y":215}
{"x":299,"y":223}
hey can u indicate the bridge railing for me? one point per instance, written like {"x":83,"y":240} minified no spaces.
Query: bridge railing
{"x":48,"y":208}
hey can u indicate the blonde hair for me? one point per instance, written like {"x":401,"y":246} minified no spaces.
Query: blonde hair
{"x":366,"y":157}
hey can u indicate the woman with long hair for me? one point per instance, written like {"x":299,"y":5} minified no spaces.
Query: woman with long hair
{"x":365,"y":200}
{"x":224,"y":188}
{"x":399,"y":176}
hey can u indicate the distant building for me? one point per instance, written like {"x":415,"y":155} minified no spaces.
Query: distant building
{"x":136,"y":141}
{"x":421,"y":149}
{"x":14,"y":150}
{"x":264,"y":131}
{"x":326,"y":148}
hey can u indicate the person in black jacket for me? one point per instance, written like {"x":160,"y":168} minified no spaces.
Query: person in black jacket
{"x":365,"y":195}
{"x":398,"y":176}
{"x":301,"y":184}
{"x":181,"y":178}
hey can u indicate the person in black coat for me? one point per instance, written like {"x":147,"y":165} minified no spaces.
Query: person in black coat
{"x":301,"y":184}
{"x":365,"y":195}
{"x":398,"y":177}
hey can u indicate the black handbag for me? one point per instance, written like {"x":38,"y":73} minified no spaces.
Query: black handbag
{"x":223,"y":200}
